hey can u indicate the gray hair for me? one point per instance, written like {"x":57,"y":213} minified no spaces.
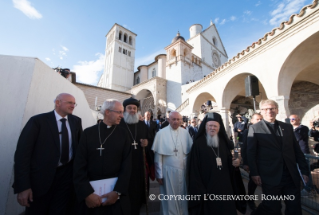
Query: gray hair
{"x":108,"y":104}
{"x":268,"y":101}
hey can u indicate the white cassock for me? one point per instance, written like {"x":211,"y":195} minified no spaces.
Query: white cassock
{"x":170,"y":164}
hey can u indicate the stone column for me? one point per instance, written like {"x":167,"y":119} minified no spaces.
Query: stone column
{"x":283,"y":109}
{"x":224,"y":112}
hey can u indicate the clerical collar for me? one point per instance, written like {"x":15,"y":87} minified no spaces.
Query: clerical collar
{"x":58,"y":117}
{"x":271,"y":123}
{"x":105,"y":125}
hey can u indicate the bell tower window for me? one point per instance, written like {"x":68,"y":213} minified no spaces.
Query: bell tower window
{"x":120,"y":35}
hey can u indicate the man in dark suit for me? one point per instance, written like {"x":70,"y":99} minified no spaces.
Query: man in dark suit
{"x":301,"y":133}
{"x":166,"y":122}
{"x":152,"y":128}
{"x":256,"y":117}
{"x":192,"y":129}
{"x":43,"y":159}
{"x":273,"y":154}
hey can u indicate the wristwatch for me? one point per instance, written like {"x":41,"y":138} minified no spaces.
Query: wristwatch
{"x":119,"y":194}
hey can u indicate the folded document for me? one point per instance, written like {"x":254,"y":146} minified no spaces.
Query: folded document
{"x":103,"y":186}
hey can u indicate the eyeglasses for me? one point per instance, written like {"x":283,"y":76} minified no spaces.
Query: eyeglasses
{"x":292,"y":119}
{"x":70,"y":103}
{"x":270,"y":109}
{"x":116,"y":111}
{"x":193,"y":122}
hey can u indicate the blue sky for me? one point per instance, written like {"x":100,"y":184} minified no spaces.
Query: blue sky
{"x":71,"y":33}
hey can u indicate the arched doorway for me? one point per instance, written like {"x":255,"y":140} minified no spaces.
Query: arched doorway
{"x":201,"y":100}
{"x":234,"y":97}
{"x":146,"y":102}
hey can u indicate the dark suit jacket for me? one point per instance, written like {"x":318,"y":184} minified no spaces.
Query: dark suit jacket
{"x":38,"y":152}
{"x":243,"y":150}
{"x":266,"y":156}
{"x":151,"y":132}
{"x":192,"y":132}
{"x":164,"y":124}
{"x":301,"y":133}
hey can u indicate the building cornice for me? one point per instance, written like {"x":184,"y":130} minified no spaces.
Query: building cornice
{"x":179,"y":41}
{"x":156,"y":60}
{"x":115,"y":24}
{"x":150,"y":80}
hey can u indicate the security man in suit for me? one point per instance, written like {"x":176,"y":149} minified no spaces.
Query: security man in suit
{"x":43,"y":160}
{"x":166,"y":122}
{"x":152,"y":127}
{"x":193,"y":129}
{"x":273,"y":154}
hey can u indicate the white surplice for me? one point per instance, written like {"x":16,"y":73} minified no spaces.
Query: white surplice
{"x":171,"y":167}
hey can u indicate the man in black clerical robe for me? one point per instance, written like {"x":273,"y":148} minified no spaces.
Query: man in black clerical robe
{"x":104,"y":152}
{"x":207,"y":178}
{"x":138,"y":133}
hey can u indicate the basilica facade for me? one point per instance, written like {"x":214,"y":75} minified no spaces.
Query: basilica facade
{"x":162,"y":84}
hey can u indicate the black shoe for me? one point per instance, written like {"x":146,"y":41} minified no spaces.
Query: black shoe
{"x":251,"y":205}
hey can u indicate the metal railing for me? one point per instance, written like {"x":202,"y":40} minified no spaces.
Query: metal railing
{"x":310,"y":190}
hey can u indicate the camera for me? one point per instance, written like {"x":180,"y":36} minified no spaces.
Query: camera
{"x":315,"y":123}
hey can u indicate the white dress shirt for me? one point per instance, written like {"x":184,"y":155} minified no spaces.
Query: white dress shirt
{"x":59,"y":123}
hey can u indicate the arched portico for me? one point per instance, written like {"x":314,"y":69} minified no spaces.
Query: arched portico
{"x":298,"y":80}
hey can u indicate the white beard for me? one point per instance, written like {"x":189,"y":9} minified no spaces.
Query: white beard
{"x":212,"y":141}
{"x":131,"y":119}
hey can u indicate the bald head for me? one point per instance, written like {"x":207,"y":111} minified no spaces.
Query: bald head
{"x":64,"y":104}
{"x":175,"y":119}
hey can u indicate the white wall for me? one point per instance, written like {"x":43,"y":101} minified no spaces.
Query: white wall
{"x":27,"y":87}
{"x":150,"y":70}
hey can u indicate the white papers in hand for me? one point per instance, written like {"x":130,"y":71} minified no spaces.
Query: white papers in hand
{"x":103,"y":186}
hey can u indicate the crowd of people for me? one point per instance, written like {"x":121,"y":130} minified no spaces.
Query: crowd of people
{"x":57,"y":164}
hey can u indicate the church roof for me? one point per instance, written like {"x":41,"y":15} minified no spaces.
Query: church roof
{"x":178,"y":36}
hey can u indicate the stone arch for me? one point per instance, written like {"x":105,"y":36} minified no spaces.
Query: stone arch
{"x":200,"y":100}
{"x":130,"y":40}
{"x":235,"y":89}
{"x":298,"y":79}
{"x":302,"y":64}
{"x":147,"y":100}
{"x":125,"y":38}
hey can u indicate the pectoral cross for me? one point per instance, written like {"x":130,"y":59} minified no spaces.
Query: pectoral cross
{"x":134,"y":144}
{"x":175,"y":150}
{"x":100,"y":150}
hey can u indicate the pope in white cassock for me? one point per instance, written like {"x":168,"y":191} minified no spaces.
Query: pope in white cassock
{"x":171,"y":146}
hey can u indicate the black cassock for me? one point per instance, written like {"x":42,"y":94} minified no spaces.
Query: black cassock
{"x":206,"y":178}
{"x":137,"y":179}
{"x":114,"y":162}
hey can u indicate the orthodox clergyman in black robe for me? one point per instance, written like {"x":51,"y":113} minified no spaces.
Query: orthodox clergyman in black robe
{"x":138,"y":133}
{"x":104,"y":152}
{"x":211,"y":169}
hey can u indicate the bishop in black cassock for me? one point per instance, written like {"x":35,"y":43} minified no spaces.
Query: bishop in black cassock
{"x":207,"y":177}
{"x":138,"y":133}
{"x":114,"y":160}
